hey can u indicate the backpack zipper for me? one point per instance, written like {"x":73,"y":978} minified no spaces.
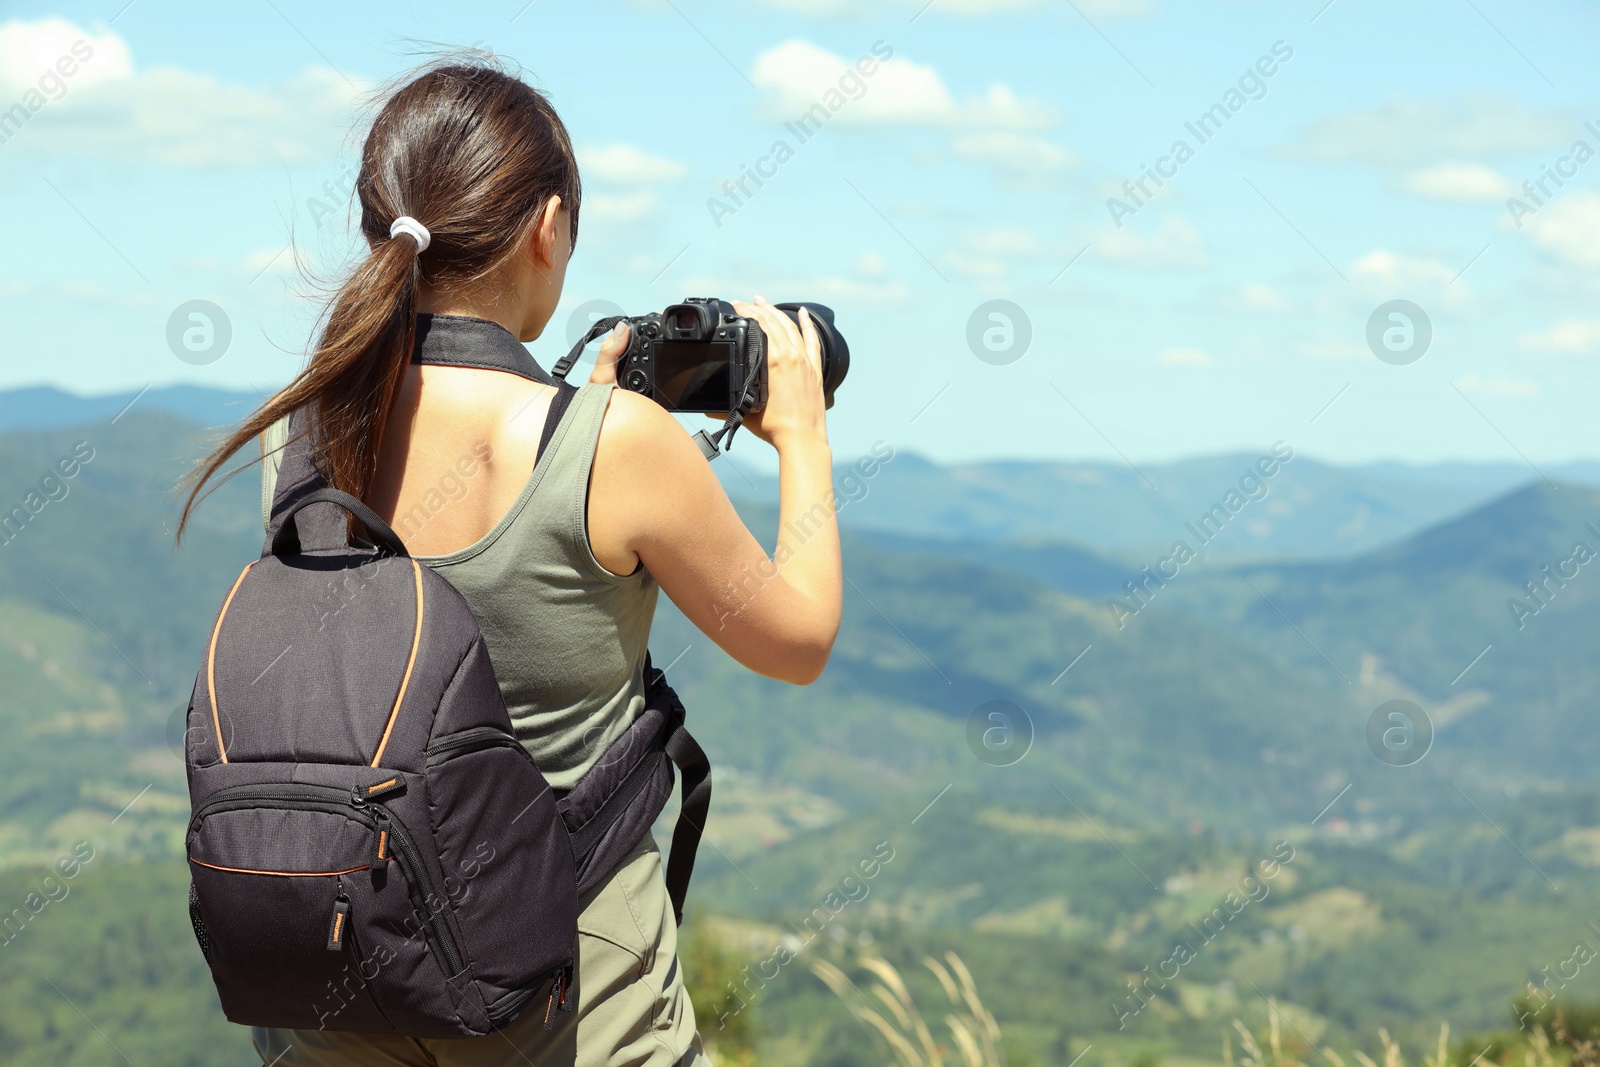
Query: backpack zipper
{"x":349,"y":803}
{"x":513,"y":1002}
{"x":341,"y":915}
{"x":471,"y":740}
{"x":403,"y":850}
{"x":560,"y":985}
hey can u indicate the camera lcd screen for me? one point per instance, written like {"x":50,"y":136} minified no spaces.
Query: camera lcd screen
{"x":693,"y":375}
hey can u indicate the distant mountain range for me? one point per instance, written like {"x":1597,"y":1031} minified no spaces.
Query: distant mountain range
{"x":1306,"y":510}
{"x":1189,"y":684}
{"x":44,"y":407}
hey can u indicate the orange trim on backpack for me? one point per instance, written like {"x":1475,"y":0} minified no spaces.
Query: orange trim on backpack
{"x":383,"y":839}
{"x":211,"y":661}
{"x":416,"y":641}
{"x":280,"y":874}
{"x":382,"y":785}
{"x":338,"y":925}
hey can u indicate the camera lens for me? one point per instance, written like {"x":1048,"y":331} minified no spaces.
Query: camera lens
{"x":835,"y":352}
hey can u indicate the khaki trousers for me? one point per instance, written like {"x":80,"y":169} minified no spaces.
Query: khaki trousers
{"x":631,"y":1007}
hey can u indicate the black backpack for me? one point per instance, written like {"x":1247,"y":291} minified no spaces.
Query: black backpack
{"x":371,"y":847}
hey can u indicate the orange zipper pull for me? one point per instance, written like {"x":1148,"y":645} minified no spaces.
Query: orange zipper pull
{"x":558,"y":996}
{"x":341,"y":915}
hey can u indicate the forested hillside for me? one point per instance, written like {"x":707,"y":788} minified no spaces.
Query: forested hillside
{"x":1172,"y":751}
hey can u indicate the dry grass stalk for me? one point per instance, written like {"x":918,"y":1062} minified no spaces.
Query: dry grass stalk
{"x":974,"y":1033}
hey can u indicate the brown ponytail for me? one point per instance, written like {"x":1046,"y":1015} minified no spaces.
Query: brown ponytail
{"x":472,"y":153}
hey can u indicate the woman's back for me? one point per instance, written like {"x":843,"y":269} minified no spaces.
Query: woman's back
{"x":462,"y":481}
{"x":567,"y":637}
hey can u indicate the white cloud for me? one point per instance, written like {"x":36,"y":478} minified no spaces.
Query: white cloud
{"x":820,"y":9}
{"x":1395,"y":273}
{"x":1022,"y":161}
{"x":263,"y":258}
{"x":1570,"y":228}
{"x":1176,"y":244}
{"x":31,"y":50}
{"x":868,"y":286}
{"x":625,"y":164}
{"x":1570,"y":337}
{"x":832,"y":290}
{"x":1184,"y":357}
{"x":166,"y":115}
{"x":278,"y":260}
{"x":1258,"y":297}
{"x":1009,"y":242}
{"x":1410,"y":133}
{"x":1337,"y":351}
{"x":977,"y":7}
{"x":1462,"y":182}
{"x":858,"y":9}
{"x":977,"y":268}
{"x":633,"y":169}
{"x":619,"y":207}
{"x":872,"y":265}
{"x":78,"y":293}
{"x":801,"y":79}
{"x":1382,"y":275}
{"x":1497,"y":386}
{"x":1113,"y":9}
{"x":989,"y":255}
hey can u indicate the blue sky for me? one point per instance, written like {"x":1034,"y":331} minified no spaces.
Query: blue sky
{"x":1229,"y":309}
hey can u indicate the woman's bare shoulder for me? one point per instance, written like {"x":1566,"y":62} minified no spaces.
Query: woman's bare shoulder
{"x":636,"y":426}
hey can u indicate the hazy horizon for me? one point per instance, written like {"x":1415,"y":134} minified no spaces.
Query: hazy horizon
{"x":755,"y":457}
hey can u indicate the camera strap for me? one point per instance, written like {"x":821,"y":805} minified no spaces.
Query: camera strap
{"x":565,"y":364}
{"x":711,"y":445}
{"x":460,"y":341}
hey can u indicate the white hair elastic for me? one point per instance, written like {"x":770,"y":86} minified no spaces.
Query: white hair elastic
{"x":419,"y":233}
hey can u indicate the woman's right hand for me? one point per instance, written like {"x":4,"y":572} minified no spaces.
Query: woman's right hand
{"x":794,"y":408}
{"x":611,"y":350}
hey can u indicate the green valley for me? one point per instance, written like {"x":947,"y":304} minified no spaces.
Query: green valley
{"x":1198,"y":827}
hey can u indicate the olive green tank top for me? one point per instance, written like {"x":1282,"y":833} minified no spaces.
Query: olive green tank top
{"x":567,"y":637}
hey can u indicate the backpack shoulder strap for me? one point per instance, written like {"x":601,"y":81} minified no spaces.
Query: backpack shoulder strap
{"x":694,"y":806}
{"x":694,"y":787}
{"x":298,"y":478}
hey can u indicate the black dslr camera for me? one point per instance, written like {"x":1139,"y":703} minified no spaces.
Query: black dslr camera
{"x":702,"y":356}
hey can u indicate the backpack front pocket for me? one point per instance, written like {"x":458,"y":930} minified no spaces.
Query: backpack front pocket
{"x":284,"y":876}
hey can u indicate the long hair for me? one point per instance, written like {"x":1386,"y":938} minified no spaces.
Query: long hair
{"x":472,"y":153}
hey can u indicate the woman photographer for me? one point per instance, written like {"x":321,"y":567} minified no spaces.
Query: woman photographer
{"x":559,"y":554}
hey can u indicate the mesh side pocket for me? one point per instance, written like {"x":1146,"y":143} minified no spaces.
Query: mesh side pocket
{"x":199,"y":924}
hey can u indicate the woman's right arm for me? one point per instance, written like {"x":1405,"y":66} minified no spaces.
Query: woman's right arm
{"x":654,"y":497}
